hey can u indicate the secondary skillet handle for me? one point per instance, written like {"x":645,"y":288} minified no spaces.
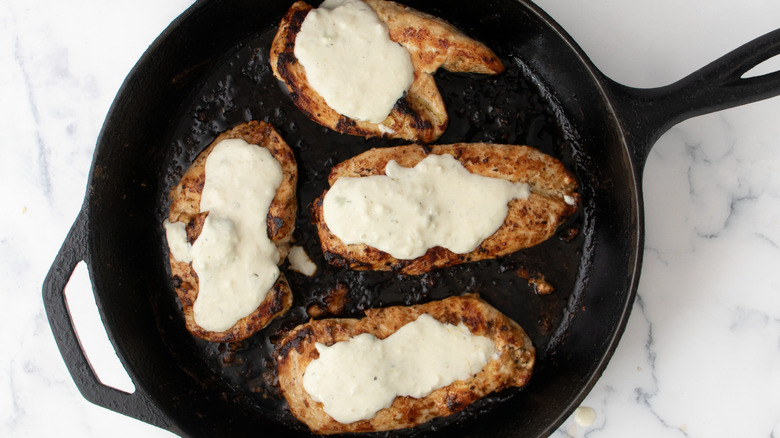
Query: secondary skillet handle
{"x":647,"y":113}
{"x":74,"y":250}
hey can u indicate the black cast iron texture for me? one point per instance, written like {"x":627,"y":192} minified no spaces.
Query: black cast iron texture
{"x":209,"y":71}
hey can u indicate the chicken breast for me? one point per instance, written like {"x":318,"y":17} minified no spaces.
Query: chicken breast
{"x":185,"y":208}
{"x":511,"y":365}
{"x":529,"y":221}
{"x":420,"y":115}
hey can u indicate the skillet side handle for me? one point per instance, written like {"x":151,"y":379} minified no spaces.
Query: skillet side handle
{"x":645,"y":114}
{"x":139,"y":404}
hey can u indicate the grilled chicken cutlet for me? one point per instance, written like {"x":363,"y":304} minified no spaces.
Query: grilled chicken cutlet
{"x":529,"y":220}
{"x":419,"y":114}
{"x":510,"y":363}
{"x":186,"y":209}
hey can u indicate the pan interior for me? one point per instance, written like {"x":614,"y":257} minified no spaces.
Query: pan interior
{"x":506,"y":109}
{"x":233,"y":84}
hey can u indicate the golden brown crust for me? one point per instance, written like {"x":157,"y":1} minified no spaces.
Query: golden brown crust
{"x":512,"y":367}
{"x":185,"y":208}
{"x":529,"y":221}
{"x":432,"y":43}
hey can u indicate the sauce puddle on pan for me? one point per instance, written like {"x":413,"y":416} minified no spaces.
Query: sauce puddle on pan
{"x":508,"y":108}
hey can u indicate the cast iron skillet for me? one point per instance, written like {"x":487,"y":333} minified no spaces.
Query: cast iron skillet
{"x":209,"y":71}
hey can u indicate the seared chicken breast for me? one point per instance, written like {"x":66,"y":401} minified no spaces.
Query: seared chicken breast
{"x":419,"y":115}
{"x":529,"y":221}
{"x":185,"y":208}
{"x":511,"y":365}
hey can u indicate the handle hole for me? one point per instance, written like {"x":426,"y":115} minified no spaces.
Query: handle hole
{"x":771,"y":65}
{"x":91,"y":333}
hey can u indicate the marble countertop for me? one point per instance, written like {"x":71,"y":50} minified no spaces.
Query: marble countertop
{"x":700,"y":356}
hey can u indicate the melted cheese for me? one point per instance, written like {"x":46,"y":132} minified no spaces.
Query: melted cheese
{"x":176,"y":233}
{"x":355,"y":379}
{"x":235,"y":260}
{"x":351,"y":61}
{"x":585,"y":416}
{"x":300,"y":261}
{"x":409,"y":210}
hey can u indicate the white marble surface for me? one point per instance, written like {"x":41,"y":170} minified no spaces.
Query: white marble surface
{"x":701,"y":354}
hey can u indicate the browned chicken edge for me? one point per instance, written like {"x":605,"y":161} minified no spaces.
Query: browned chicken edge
{"x":512,"y":366}
{"x":185,"y":208}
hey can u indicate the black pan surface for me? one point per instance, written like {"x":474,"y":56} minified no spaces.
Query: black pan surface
{"x":209,"y":71}
{"x":507,"y":109}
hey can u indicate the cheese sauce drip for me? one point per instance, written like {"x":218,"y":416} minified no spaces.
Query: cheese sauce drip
{"x":351,"y":61}
{"x":355,"y":379}
{"x":180,"y":248}
{"x":409,"y":210}
{"x":235,"y":260}
{"x":301,"y":262}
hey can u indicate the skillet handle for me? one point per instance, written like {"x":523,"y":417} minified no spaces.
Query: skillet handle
{"x":647,"y":113}
{"x":138,"y":404}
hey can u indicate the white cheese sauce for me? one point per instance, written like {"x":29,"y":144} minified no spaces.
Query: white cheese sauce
{"x":409,"y":210}
{"x":235,"y":260}
{"x":351,"y":61}
{"x":176,"y":233}
{"x":585,"y":416}
{"x":355,"y":379}
{"x":301,"y":262}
